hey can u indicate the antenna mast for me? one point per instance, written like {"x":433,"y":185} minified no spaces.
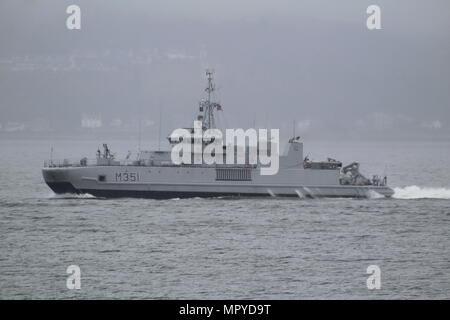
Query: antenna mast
{"x":208,"y":105}
{"x":159,"y":129}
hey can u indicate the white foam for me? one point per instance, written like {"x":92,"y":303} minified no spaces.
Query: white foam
{"x":309,"y":192}
{"x":71,"y":196}
{"x":372,"y":194}
{"x":300,"y":194}
{"x":415,"y":192}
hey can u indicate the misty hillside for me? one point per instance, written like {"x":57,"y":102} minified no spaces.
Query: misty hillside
{"x":328,"y":72}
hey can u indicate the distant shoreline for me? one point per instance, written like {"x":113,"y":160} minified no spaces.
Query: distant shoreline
{"x":149,"y":137}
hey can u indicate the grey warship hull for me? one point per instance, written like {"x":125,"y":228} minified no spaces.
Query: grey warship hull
{"x":325,"y":192}
{"x":188,"y":182}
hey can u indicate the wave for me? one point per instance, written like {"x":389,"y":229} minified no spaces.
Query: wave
{"x":415,"y":192}
{"x":71,"y":196}
{"x":372,"y":194}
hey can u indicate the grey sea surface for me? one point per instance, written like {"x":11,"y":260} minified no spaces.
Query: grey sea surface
{"x":243,"y":248}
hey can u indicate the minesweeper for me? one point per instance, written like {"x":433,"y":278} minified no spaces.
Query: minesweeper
{"x":154,"y":175}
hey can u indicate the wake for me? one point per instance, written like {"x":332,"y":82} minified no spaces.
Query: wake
{"x":415,"y":192}
{"x":71,"y":196}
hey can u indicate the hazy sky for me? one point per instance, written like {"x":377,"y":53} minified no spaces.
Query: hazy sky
{"x":275,"y":61}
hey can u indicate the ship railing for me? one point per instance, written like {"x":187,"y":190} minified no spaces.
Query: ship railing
{"x":64,"y":163}
{"x":85,"y":162}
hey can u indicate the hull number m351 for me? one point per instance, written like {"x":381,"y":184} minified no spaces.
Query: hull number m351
{"x":127,"y":176}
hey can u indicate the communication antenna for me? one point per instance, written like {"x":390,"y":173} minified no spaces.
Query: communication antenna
{"x":140,"y":83}
{"x":159,"y":129}
{"x":140,"y":129}
{"x":293,"y":129}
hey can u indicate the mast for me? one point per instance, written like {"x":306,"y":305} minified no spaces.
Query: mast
{"x":208,"y":106}
{"x":159,"y":129}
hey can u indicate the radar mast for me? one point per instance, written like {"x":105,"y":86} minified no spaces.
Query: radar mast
{"x":207,"y":106}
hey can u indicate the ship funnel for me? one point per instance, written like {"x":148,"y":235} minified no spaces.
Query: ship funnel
{"x":294,"y":155}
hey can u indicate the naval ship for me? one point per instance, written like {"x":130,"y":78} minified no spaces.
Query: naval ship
{"x":154,"y":175}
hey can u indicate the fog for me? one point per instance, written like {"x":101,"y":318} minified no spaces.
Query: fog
{"x":276,"y":62}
